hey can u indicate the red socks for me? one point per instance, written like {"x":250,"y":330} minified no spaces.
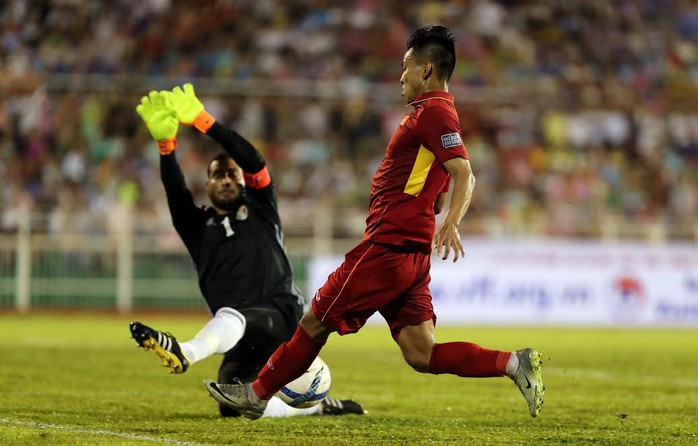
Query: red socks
{"x":287,"y":363}
{"x":293,"y":358}
{"x":467,"y":360}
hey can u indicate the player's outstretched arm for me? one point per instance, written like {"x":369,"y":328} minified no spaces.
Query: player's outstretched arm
{"x":191,"y":112}
{"x":447,"y":236}
{"x":160,"y":117}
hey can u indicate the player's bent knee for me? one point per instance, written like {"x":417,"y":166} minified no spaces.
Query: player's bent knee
{"x":313,"y":326}
{"x":418,"y":361}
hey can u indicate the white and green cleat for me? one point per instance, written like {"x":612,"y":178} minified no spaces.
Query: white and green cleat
{"x":529,"y":379}
{"x":236,"y":397}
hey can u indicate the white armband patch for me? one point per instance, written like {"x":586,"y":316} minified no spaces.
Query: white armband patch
{"x":451,"y":140}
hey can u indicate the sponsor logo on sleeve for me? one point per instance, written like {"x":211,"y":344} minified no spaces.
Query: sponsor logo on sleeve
{"x":451,"y":140}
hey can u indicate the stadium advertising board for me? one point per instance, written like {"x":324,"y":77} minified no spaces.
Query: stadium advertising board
{"x":548,"y":282}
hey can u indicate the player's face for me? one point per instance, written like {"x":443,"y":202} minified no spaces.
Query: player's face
{"x":224,"y":185}
{"x":412,"y":79}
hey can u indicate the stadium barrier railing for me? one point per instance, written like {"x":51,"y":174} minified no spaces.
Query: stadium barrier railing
{"x":127,"y":269}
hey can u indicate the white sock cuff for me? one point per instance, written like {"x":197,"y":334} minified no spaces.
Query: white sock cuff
{"x":278,"y":409}
{"x":229,"y":324}
{"x":228,"y":312}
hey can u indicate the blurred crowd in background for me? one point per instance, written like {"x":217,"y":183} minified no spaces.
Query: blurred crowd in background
{"x":579,"y":116}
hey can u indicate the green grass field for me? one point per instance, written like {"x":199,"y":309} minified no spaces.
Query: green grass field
{"x":80,"y":380}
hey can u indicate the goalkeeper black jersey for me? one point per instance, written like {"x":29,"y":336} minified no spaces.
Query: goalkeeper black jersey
{"x":240,"y":256}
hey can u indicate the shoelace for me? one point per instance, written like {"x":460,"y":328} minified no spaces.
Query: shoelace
{"x":236,"y":388}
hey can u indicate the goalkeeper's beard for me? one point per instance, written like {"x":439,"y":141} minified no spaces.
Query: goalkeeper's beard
{"x":228,"y":204}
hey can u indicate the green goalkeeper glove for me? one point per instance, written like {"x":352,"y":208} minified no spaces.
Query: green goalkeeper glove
{"x":161,"y":119}
{"x":189,"y":108}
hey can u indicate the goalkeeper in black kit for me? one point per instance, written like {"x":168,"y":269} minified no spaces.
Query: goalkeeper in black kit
{"x":237,"y":246}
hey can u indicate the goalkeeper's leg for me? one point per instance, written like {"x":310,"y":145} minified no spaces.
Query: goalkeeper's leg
{"x":219,"y":335}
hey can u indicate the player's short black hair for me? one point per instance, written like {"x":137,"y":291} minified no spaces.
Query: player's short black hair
{"x":436,"y":44}
{"x":220,"y":157}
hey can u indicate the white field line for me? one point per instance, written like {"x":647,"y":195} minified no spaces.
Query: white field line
{"x":601,"y":375}
{"x":99,"y":432}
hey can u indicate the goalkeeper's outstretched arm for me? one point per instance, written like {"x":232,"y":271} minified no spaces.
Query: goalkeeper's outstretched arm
{"x":162,"y":122}
{"x":240,"y":149}
{"x":190,"y":112}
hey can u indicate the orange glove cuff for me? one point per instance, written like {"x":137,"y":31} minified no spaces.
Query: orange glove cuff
{"x":204,"y":121}
{"x":167,"y":146}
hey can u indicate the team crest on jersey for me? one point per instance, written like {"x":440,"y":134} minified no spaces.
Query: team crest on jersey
{"x":242,"y":213}
{"x":451,"y":140}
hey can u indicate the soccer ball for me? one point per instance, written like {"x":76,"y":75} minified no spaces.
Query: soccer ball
{"x":308,"y":389}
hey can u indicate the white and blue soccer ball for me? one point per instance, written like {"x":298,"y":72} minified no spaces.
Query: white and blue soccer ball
{"x":308,"y":389}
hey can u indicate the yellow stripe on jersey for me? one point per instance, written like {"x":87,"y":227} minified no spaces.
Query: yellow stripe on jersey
{"x":420,"y":170}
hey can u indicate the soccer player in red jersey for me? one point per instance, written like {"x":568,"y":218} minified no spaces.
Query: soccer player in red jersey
{"x":388,"y":272}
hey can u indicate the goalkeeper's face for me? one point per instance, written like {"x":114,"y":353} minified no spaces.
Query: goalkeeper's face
{"x":224,"y":185}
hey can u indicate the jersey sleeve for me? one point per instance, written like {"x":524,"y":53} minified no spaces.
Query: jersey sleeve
{"x":258,"y":181}
{"x":187,"y":218}
{"x":243,"y":153}
{"x":439,"y":131}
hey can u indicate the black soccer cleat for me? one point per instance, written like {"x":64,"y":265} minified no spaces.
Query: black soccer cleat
{"x":331,"y":406}
{"x":163,"y":344}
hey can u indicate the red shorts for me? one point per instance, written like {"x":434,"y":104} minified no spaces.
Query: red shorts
{"x":376,"y":278}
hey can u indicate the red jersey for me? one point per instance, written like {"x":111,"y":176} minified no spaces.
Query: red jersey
{"x":411,"y":175}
